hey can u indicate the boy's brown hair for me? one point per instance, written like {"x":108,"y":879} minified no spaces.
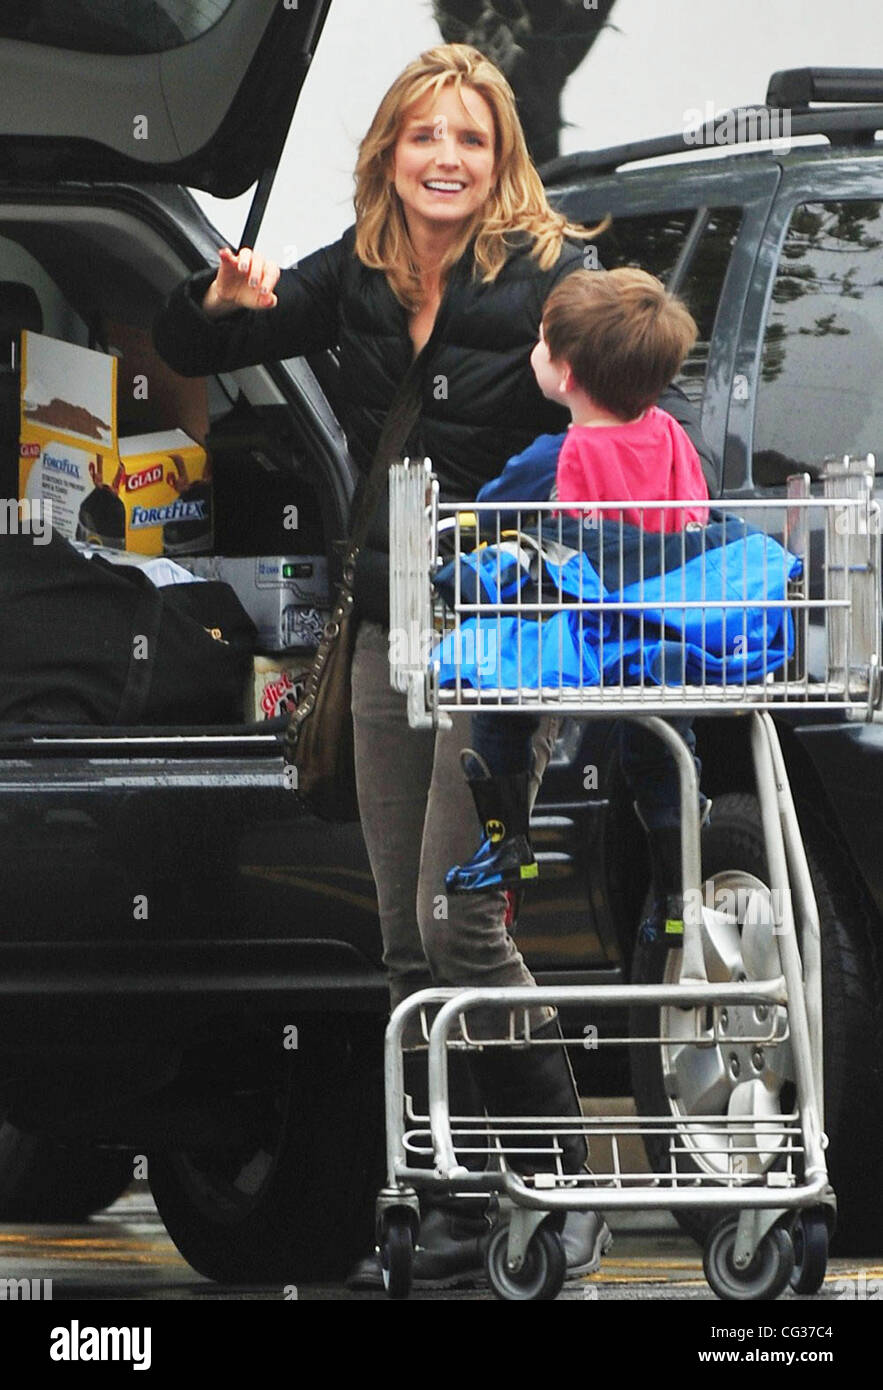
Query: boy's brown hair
{"x":622,"y":334}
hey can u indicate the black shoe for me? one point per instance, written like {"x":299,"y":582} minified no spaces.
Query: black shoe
{"x":449,"y":1253}
{"x":450,"y":1242}
{"x":504,"y":859}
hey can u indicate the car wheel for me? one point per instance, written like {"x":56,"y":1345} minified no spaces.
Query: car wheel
{"x":678,"y":1080}
{"x":43,"y":1180}
{"x":293,"y":1198}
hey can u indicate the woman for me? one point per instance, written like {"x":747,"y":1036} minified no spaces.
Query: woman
{"x":453,"y":252}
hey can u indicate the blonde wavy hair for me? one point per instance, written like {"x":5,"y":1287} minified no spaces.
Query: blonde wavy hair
{"x":517,"y":202}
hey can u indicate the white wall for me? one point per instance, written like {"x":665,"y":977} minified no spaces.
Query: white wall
{"x":655,"y":62}
{"x":668,"y":58}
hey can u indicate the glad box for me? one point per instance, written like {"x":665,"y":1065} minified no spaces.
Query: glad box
{"x":69,"y":392}
{"x":150,"y":493}
{"x":58,"y":473}
{"x":67,"y":423}
{"x":166,"y":492}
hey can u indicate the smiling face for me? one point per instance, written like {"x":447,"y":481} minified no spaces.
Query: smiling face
{"x":443,"y":159}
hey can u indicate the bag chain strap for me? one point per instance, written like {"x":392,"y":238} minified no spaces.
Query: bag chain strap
{"x":330,"y":634}
{"x":400,"y":419}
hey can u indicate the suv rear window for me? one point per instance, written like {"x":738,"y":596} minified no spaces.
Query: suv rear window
{"x":656,"y":242}
{"x":653,"y":241}
{"x":822,"y":359}
{"x":110,"y":26}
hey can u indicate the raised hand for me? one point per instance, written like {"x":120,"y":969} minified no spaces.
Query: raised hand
{"x":243,"y":281}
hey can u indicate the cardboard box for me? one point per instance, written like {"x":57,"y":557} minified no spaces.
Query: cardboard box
{"x":286,"y":596}
{"x":276,"y":688}
{"x":150,"y":494}
{"x":165,"y":487}
{"x":58,"y":473}
{"x":69,"y":392}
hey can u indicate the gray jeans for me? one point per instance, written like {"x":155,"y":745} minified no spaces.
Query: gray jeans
{"x":419,"y":819}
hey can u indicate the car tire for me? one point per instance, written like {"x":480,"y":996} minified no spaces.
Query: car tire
{"x":733,"y":841}
{"x":295,"y":1199}
{"x":43,"y":1180}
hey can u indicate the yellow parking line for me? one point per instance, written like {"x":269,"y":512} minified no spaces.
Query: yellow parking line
{"x":631,"y":1260}
{"x":87,"y":1256}
{"x":645,"y":1278}
{"x":650,"y":1272}
{"x":72,"y":1242}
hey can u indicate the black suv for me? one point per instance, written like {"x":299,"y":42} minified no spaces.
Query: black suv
{"x":777,"y":248}
{"x":230,"y":1039}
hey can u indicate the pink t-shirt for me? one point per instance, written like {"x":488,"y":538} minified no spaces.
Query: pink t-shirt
{"x":646,"y":460}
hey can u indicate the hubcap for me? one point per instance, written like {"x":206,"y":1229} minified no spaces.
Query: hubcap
{"x":734,"y":1066}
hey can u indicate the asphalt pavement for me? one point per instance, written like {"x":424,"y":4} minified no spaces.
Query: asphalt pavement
{"x":124,"y":1253}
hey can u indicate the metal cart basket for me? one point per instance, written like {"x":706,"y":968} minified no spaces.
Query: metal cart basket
{"x":774,"y":604}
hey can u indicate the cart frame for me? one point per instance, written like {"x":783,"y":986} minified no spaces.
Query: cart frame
{"x":762,"y":1195}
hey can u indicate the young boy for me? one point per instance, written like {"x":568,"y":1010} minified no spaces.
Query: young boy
{"x":610,"y":342}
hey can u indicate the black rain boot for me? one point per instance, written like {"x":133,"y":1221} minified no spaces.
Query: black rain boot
{"x":538,"y":1081}
{"x":504,"y":859}
{"x":450,"y":1245}
{"x":665,"y":922}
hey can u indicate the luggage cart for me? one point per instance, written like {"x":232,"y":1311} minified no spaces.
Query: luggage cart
{"x":750,"y":973}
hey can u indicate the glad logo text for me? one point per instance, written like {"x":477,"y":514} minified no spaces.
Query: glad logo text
{"x":145,"y":478}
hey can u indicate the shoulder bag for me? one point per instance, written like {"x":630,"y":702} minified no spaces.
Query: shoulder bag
{"x":319,"y":738}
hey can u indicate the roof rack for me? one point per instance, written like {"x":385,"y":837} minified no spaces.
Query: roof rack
{"x":799,"y":86}
{"x":792,"y":90}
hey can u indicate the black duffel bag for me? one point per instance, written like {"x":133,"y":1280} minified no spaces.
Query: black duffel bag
{"x":87,"y":642}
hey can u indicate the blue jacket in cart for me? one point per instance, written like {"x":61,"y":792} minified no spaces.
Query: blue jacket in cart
{"x":559,"y":561}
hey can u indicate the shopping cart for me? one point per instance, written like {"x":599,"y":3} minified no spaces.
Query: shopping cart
{"x":774,"y":605}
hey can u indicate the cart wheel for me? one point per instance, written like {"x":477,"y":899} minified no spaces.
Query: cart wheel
{"x":541,"y":1276}
{"x":765,"y":1277}
{"x":397,"y":1255}
{"x":810,"y":1238}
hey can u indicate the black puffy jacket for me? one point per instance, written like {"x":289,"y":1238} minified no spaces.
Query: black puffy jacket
{"x":480,"y":401}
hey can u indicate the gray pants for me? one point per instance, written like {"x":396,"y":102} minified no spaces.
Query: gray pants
{"x":419,"y":819}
